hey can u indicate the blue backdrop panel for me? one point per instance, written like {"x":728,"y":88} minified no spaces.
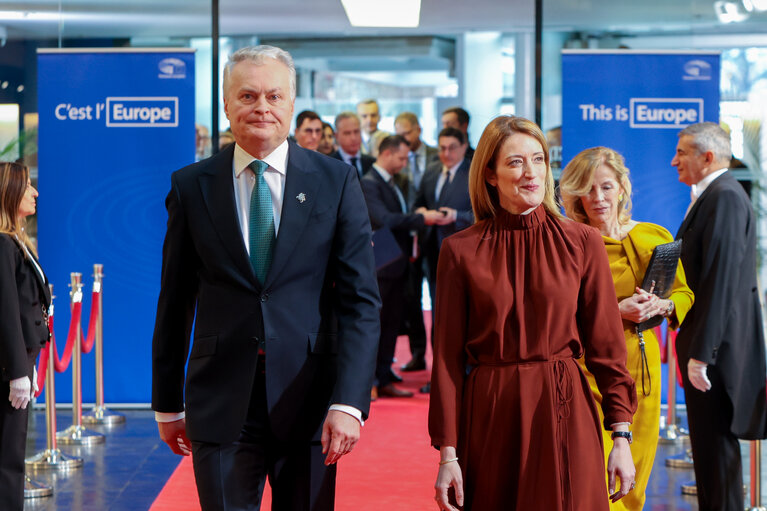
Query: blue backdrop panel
{"x":636,"y":103}
{"x":113,"y":126}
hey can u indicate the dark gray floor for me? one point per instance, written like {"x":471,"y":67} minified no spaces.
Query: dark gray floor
{"x":128,"y":471}
{"x":123,"y":474}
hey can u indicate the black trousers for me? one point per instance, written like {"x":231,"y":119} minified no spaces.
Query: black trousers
{"x":715,"y":450}
{"x":231,"y":476}
{"x":13,"y":442}
{"x":412,"y":317}
{"x":392,"y":305}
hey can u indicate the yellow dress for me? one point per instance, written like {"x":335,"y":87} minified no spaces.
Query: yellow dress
{"x":628,"y":262}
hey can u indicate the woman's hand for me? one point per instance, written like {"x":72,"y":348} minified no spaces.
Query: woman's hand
{"x":620,"y":465}
{"x":640,"y":306}
{"x":449,"y":475}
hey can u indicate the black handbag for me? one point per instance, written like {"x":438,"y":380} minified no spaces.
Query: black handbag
{"x":658,"y":280}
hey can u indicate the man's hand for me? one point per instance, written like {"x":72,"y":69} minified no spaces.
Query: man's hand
{"x":340,"y":434}
{"x":431,"y":216}
{"x":174,"y":434}
{"x":696,"y":372}
{"x":450,"y":215}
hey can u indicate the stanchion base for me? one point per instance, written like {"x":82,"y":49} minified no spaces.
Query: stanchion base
{"x":757,"y":508}
{"x":34,"y":490}
{"x":671,"y":435}
{"x":78,"y":435}
{"x":102,"y":415}
{"x":689,"y":488}
{"x":53,"y":459}
{"x":679,"y":461}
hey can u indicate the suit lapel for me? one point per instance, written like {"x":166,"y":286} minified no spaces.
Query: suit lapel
{"x":696,"y":207}
{"x":301,"y":187}
{"x":42,"y":281}
{"x":217,"y":188}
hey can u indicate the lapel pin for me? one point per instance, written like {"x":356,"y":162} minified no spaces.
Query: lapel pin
{"x":301,"y":197}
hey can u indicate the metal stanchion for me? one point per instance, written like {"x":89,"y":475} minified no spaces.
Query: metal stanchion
{"x":756,"y":477}
{"x":35,"y":490}
{"x":100,"y":414}
{"x":76,"y":434}
{"x":669,"y":432}
{"x":51,"y":457}
{"x":689,"y":488}
{"x":683,"y":460}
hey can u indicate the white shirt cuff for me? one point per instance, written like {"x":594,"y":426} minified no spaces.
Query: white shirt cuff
{"x":168,"y":416}
{"x":347,"y":409}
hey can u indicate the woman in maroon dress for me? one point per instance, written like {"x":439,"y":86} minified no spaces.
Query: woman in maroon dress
{"x":521,"y":295}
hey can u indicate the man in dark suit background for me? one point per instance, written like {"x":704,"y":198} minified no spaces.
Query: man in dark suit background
{"x":349,"y":141}
{"x":388,"y":210}
{"x":268,"y":253}
{"x":721,"y":342}
{"x":445,"y":187}
{"x":457,"y":117}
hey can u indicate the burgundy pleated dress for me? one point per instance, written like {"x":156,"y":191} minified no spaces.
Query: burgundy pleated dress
{"x":519,"y":299}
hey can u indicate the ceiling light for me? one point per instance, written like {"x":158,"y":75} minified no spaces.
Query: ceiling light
{"x":28,"y":15}
{"x":4,"y":85}
{"x":20,"y":88}
{"x":392,"y":13}
{"x":729,"y":12}
{"x":755,"y":5}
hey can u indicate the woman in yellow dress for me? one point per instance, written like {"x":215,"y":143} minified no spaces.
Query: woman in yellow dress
{"x":596,"y":191}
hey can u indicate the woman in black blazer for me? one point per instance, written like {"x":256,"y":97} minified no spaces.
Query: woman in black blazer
{"x":24,"y":301}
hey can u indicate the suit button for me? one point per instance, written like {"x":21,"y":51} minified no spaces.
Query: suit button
{"x":264,"y":297}
{"x":257,"y":340}
{"x":38,"y":322}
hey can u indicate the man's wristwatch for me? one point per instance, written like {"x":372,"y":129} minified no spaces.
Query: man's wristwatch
{"x":623,"y":434}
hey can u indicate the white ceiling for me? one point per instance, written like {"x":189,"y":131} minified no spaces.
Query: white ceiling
{"x":313,"y":18}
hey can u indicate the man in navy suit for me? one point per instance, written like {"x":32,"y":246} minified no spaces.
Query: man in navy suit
{"x":268,"y":254}
{"x":445,"y":187}
{"x":721,"y":341}
{"x":349,"y":140}
{"x":388,"y":209}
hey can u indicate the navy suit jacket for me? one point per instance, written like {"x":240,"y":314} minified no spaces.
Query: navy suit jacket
{"x":453,"y":195}
{"x":724,"y":325}
{"x":366,"y":161}
{"x":386,"y":211}
{"x":317,"y":310}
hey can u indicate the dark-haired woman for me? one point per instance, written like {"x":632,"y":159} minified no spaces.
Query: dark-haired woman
{"x":24,"y":302}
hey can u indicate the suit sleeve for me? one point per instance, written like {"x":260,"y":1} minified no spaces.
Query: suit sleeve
{"x":175,"y":308}
{"x":358,"y":301}
{"x":13,"y":351}
{"x":381,"y":216}
{"x":464,"y":219}
{"x":601,"y":330}
{"x":724,"y":248}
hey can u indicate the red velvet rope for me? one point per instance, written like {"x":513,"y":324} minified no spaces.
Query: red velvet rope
{"x":672,"y":340}
{"x":42,"y":366}
{"x":87,"y":343}
{"x":61,"y":364}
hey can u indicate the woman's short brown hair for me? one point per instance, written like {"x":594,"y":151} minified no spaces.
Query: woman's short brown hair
{"x":484,"y":196}
{"x":578,"y":178}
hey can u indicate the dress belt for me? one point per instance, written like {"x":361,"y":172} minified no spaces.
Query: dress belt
{"x":522,"y":362}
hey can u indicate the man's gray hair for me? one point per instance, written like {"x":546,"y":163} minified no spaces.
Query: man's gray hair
{"x":257,"y":55}
{"x":709,"y":136}
{"x":348,"y":114}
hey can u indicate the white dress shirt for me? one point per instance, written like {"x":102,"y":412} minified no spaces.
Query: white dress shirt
{"x":388,"y":179}
{"x":446,"y":175}
{"x":698,"y":188}
{"x":244,"y":181}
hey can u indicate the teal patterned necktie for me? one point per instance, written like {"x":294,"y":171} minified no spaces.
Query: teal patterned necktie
{"x":260,"y":223}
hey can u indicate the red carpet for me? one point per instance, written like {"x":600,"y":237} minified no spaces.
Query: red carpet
{"x":392,"y":467}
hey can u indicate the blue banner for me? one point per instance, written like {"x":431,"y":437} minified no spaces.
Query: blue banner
{"x":113,"y":125}
{"x":636,"y":103}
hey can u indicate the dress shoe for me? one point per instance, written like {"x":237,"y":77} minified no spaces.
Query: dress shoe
{"x":395,"y":377}
{"x":374,"y":393}
{"x":415,"y":364}
{"x":426,"y":389}
{"x":391,"y":391}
